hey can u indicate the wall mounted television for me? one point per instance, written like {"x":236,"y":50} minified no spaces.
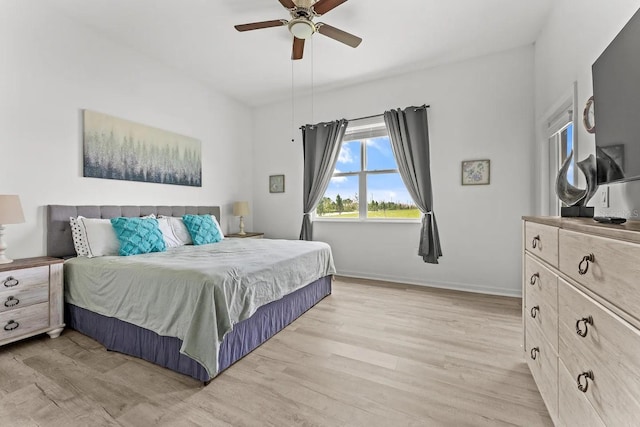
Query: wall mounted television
{"x":616,"y":94}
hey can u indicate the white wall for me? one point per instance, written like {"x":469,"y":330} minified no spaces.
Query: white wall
{"x":481,"y":108}
{"x":575,"y":35}
{"x":50,"y":69}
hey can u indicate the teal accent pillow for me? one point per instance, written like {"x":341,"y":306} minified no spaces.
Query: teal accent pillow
{"x":202,"y":229}
{"x":138,"y":235}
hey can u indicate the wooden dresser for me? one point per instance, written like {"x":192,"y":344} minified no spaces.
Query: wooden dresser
{"x":31,"y":298}
{"x":581,"y":318}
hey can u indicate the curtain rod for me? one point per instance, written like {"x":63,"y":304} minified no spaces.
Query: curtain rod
{"x":376,"y":115}
{"x":380,"y":115}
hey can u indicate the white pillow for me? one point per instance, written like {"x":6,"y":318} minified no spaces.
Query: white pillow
{"x":100,"y":237}
{"x":215,"y":221}
{"x":79,"y":237}
{"x":170,"y":238}
{"x":179,"y":230}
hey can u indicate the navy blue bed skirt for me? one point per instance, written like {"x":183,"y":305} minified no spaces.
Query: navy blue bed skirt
{"x":123,"y":337}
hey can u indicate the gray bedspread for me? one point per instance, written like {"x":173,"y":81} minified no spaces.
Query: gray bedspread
{"x":196,"y":293}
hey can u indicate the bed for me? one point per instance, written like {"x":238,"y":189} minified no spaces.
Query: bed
{"x":194,"y":309}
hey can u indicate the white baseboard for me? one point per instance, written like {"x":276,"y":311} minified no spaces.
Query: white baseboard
{"x":441,"y":285}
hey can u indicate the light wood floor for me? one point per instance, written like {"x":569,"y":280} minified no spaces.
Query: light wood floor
{"x":371,"y":354}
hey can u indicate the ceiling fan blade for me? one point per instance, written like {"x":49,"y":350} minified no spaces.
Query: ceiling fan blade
{"x":339,"y":35}
{"x":324,"y":6}
{"x":289,"y":4}
{"x":298,"y":48}
{"x":263,"y":24}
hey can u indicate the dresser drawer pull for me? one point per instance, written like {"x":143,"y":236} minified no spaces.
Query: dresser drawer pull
{"x":11,"y":325}
{"x":11,"y":302}
{"x":585,"y":260}
{"x":587,"y":321}
{"x":536,"y":242}
{"x":534,"y":352}
{"x":534,"y":278}
{"x":10,"y":282}
{"x":535,"y":310}
{"x":588,"y":375}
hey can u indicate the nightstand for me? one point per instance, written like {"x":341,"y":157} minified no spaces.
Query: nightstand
{"x":31,"y":298}
{"x":248,"y":235}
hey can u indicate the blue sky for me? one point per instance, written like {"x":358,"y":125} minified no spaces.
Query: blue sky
{"x":387,"y":187}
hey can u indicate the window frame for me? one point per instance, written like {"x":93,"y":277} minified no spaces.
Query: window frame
{"x":367,"y":132}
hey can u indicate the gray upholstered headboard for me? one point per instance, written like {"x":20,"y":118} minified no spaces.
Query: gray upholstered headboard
{"x":60,"y":242}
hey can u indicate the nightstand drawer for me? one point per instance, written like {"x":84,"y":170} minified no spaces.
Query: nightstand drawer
{"x":13,"y":280}
{"x":12,"y":300}
{"x":21,"y":321}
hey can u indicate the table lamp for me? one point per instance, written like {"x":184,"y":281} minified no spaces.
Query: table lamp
{"x":241,"y":209}
{"x":10,"y":213}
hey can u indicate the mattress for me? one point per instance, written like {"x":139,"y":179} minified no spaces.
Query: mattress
{"x":196,"y":294}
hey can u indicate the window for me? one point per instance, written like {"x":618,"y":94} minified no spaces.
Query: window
{"x":366,"y":183}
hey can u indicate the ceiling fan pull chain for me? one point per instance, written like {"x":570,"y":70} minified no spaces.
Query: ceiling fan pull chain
{"x":293,"y":117}
{"x":313,"y":54}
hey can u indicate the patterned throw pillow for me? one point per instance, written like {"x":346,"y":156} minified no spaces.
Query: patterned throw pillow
{"x":79,"y":237}
{"x":138,"y":235}
{"x":202,"y":229}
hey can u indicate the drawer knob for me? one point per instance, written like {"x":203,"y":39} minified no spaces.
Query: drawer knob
{"x":10,"y":282}
{"x":588,"y":375}
{"x":11,"y":325}
{"x":534,"y":278}
{"x":534,"y":352}
{"x":584,"y":321}
{"x":535,"y":310}
{"x":11,"y":302}
{"x":536,"y":242}
{"x":582,"y":269}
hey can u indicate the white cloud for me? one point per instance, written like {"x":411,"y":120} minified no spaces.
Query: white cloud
{"x":373,"y":143}
{"x":345,"y":155}
{"x":338,"y":179}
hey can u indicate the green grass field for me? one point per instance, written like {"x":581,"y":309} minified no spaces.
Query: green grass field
{"x":392,"y":214}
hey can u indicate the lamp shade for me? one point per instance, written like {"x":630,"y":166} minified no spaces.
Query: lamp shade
{"x":10,"y":209}
{"x":241,"y":209}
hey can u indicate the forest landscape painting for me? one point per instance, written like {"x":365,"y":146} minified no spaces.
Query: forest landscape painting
{"x":115,"y":148}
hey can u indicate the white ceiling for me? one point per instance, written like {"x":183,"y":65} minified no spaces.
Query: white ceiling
{"x":197,"y":37}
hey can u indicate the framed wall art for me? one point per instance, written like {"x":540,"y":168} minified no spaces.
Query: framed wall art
{"x":476,"y":172}
{"x":276,"y":184}
{"x":115,"y":148}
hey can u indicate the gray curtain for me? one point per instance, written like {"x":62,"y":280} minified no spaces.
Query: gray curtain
{"x":409,"y":133}
{"x":321,"y":145}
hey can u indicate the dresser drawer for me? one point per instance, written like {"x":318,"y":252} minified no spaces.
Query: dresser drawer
{"x":543,"y":363}
{"x":542,"y":240}
{"x":610,"y":349}
{"x":22,"y":321}
{"x":12,"y":300}
{"x":613,"y":271}
{"x":574,"y":407}
{"x":14,"y":280}
{"x":541,"y":298}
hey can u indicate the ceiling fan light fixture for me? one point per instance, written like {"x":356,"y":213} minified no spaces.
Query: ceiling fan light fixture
{"x":301,"y":28}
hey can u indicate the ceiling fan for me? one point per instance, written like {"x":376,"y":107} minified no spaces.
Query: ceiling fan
{"x":301,"y":24}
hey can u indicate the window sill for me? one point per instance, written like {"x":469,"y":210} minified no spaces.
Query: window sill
{"x":368,"y":221}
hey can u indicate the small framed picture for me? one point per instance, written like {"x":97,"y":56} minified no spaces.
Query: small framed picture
{"x":276,"y":184}
{"x":476,"y":172}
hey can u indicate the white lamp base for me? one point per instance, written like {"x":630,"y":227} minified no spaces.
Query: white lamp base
{"x":3,"y":248}
{"x":242,"y":233}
